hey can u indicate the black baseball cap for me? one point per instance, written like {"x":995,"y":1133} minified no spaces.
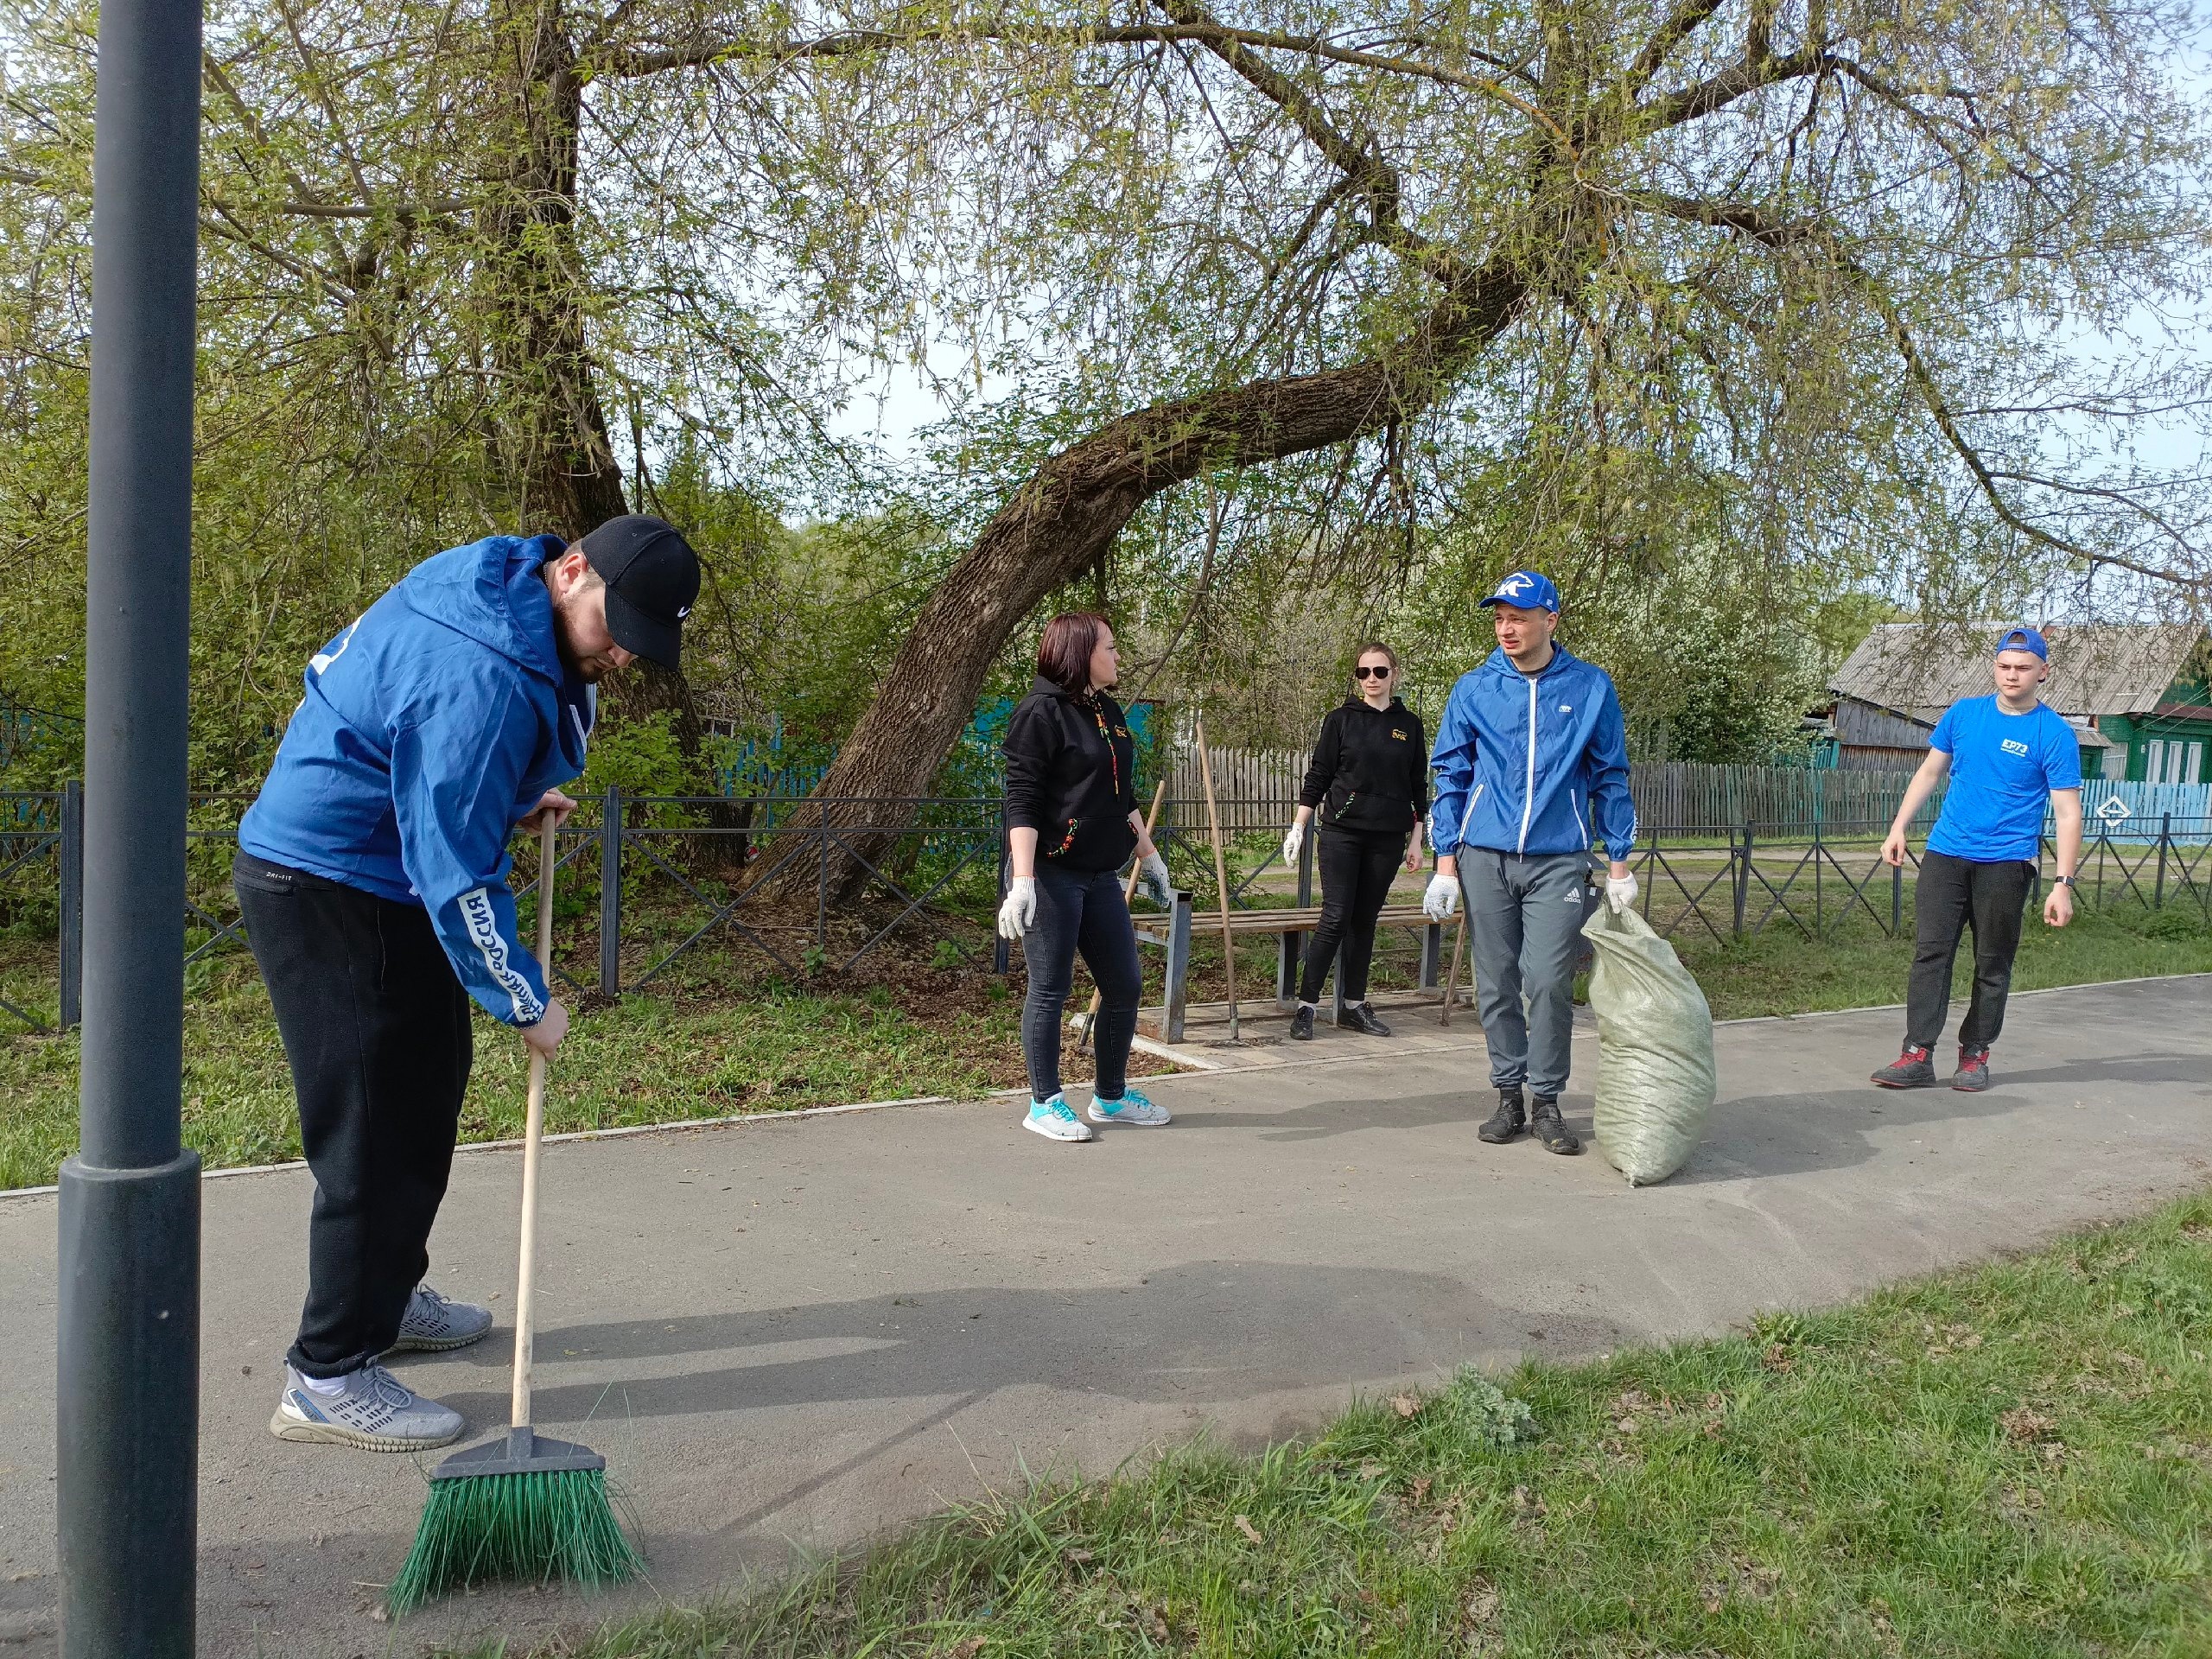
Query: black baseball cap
{"x":652,"y":581}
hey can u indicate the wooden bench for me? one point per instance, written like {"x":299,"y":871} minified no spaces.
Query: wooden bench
{"x":1171,"y":931}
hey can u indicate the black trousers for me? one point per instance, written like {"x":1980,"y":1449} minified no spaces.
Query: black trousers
{"x":1954,"y":895}
{"x":376,"y":1028}
{"x":1356,"y":869}
{"x":1080,"y":912}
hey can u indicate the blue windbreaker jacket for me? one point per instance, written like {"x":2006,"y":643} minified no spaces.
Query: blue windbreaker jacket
{"x":431,"y":726}
{"x":1532,"y":763}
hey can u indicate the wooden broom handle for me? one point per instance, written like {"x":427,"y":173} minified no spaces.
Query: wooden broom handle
{"x":533,"y":1136}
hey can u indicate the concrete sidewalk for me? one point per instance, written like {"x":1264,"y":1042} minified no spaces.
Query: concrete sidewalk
{"x":795,"y":1334}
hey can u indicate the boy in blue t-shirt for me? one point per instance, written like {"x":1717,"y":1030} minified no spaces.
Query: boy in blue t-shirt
{"x":2007,"y":755}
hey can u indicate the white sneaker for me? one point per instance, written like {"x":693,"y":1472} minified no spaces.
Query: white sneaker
{"x":433,"y":1325}
{"x":375,"y":1411}
{"x":1131,"y":1108}
{"x":1056,"y":1120}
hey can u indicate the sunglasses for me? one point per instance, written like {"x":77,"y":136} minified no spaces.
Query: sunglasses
{"x":1382,"y":673}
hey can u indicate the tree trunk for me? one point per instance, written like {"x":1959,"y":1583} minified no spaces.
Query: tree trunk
{"x":1064,"y":519}
{"x":554,"y":431}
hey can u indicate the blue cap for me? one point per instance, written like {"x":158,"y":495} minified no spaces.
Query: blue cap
{"x":1528,"y":590}
{"x":2024,"y":640}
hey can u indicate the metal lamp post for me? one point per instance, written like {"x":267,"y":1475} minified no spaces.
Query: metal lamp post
{"x":129,"y":1401}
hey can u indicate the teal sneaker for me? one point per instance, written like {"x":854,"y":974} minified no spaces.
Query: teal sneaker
{"x":1055,"y":1119}
{"x":1131,"y":1108}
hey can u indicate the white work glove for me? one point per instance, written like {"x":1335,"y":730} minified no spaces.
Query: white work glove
{"x":1292,"y":842}
{"x":1441,"y":902}
{"x":1620,"y":892}
{"x":1019,"y":909}
{"x":1153,"y":882}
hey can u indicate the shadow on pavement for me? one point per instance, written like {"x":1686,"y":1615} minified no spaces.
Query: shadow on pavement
{"x":1195,"y":1334}
{"x":1761,"y":1135}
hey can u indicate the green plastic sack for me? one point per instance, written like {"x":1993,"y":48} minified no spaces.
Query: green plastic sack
{"x":1655,"y":1048}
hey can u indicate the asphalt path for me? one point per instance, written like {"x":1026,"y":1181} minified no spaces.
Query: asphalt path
{"x":791,"y":1336}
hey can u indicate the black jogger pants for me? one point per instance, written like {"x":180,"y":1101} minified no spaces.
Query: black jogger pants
{"x":1358,"y":866}
{"x":1954,"y":894}
{"x":376,"y":1027}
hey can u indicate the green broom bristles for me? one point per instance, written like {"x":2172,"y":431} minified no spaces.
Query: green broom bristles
{"x":541,"y":1525}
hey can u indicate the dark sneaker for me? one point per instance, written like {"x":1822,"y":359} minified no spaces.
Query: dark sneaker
{"x":1972,"y":1075}
{"x":1360,"y":1017}
{"x":1301,"y":1024}
{"x":1550,"y":1132}
{"x":1506,"y":1122}
{"x":1913,"y":1069}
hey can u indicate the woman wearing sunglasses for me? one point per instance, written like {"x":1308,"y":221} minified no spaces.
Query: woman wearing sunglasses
{"x":1368,"y":781}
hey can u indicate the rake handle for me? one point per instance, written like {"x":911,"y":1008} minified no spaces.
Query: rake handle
{"x":518,"y":1415}
{"x":1452,"y":973}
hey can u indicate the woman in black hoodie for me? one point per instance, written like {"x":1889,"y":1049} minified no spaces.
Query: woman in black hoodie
{"x":1072,"y":824}
{"x":1369,"y":780}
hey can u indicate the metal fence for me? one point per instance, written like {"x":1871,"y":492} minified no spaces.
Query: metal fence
{"x":653,"y":883}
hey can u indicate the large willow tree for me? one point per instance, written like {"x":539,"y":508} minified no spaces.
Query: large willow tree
{"x":1738,"y":291}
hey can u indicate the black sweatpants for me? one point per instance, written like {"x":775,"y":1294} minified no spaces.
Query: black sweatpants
{"x":1954,"y":895}
{"x":1358,"y":866}
{"x":375,"y":1026}
{"x":1078,"y":910}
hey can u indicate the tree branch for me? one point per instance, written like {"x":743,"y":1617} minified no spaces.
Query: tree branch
{"x":1744,"y":76}
{"x":630,"y":62}
{"x":1685,"y":20}
{"x":1754,"y":225}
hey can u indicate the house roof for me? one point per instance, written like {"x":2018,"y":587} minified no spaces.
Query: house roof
{"x":2096,"y":668}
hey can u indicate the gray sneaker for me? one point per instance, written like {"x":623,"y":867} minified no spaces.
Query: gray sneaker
{"x":376,"y":1412}
{"x":432,"y":1325}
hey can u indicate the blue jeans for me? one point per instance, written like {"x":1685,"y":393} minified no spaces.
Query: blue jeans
{"x":1077,"y":911}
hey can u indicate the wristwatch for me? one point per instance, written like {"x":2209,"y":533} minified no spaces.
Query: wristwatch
{"x":2064,"y":880}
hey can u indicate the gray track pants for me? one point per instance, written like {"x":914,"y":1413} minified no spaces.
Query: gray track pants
{"x":1524,"y":926}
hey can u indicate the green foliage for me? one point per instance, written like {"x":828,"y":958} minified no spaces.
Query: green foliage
{"x":640,"y":757}
{"x":1697,"y":415}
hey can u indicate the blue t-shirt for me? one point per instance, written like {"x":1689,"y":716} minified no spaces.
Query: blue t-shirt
{"x":2003,"y":769}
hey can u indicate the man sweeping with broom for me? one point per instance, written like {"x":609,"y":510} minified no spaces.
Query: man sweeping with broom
{"x":371,"y":875}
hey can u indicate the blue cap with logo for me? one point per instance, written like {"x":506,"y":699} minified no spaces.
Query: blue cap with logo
{"x":1526,"y":589}
{"x":2023,"y":638}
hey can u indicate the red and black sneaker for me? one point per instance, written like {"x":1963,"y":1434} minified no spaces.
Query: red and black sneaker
{"x":1914,"y":1069}
{"x":1972,"y":1075}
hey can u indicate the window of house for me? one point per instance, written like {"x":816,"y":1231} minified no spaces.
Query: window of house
{"x":2154,"y":760}
{"x":2194,"y":769}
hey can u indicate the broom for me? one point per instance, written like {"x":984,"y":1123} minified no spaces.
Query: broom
{"x":521,"y":1506}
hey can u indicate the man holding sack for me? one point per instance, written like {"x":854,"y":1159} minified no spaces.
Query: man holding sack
{"x":1531,"y":763}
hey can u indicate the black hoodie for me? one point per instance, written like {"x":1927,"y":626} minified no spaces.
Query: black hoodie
{"x":1369,"y":770}
{"x":1071,"y":776}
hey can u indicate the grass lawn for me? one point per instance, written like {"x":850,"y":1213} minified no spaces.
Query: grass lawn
{"x":2014,"y":1460}
{"x":643,"y":1059}
{"x":716,"y":1039}
{"x":1778,"y":972}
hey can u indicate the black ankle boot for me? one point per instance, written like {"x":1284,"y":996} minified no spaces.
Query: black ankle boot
{"x":1507,"y":1121}
{"x":1545,"y":1123}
